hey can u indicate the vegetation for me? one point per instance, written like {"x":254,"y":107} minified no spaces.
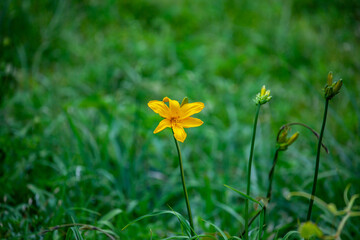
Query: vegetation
{"x":78,"y":157}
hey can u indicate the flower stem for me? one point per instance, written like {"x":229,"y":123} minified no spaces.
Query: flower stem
{"x":317,"y":161}
{"x":184,"y":188}
{"x":268,"y":195}
{"x":271,"y":175}
{"x":249,"y":173}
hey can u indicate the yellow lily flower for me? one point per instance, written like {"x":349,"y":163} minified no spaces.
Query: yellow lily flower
{"x":176,"y":117}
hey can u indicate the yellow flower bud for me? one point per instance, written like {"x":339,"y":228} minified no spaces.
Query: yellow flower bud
{"x":331,"y":89}
{"x":292,"y":139}
{"x":332,"y":208}
{"x":283,"y":135}
{"x":263,"y":96}
{"x":338,"y":86}
{"x":329,"y":79}
{"x":283,"y":141}
{"x":262,"y":92}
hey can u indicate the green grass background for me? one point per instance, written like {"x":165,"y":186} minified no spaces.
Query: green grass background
{"x":76,"y":133}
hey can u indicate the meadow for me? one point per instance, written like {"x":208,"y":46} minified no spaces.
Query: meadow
{"x":76,"y":133}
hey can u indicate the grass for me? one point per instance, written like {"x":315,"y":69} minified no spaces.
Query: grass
{"x":76,"y":134}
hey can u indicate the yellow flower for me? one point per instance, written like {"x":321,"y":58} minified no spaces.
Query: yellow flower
{"x":176,"y":117}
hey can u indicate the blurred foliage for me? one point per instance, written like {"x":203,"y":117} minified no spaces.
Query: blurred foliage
{"x":76,"y":137}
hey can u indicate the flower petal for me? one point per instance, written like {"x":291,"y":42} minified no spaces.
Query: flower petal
{"x":190,"y":109}
{"x":174,"y":108}
{"x":263,"y":89}
{"x":190,"y":122}
{"x":160,"y":108}
{"x":162,"y":125}
{"x":179,"y":133}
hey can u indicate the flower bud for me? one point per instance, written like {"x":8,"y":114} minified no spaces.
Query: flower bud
{"x":262,"y":92}
{"x":184,"y":101}
{"x":329,"y":79}
{"x":332,"y":208}
{"x":283,"y":141}
{"x":262,"y":97}
{"x":283,"y":135}
{"x":331,"y":89}
{"x":292,"y":139}
{"x":338,"y":86}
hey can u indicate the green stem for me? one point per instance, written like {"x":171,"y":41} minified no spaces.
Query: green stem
{"x":184,"y":188}
{"x":271,"y":175}
{"x":268,"y":195}
{"x":317,"y":161}
{"x":249,"y":172}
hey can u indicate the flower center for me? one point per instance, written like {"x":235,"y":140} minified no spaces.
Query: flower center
{"x":174,"y":120}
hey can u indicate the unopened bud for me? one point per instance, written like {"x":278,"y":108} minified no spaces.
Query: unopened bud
{"x":332,"y":208}
{"x":329,"y":79}
{"x":292,"y":139}
{"x":283,"y":142}
{"x":263,"y":96}
{"x":338,"y":86}
{"x":283,"y":135}
{"x":331,"y":89}
{"x":262,"y":92}
{"x":184,"y":101}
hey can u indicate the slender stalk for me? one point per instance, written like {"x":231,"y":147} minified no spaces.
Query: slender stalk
{"x":253,"y":219}
{"x":249,"y":172}
{"x":317,"y":161}
{"x":271,"y":175}
{"x":342,"y":224}
{"x":184,"y":188}
{"x":268,"y":195}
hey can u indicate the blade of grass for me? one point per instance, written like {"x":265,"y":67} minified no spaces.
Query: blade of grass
{"x":290,"y":234}
{"x":218,"y":229}
{"x":77,"y":233}
{"x":244,"y":195}
{"x":113,"y":213}
{"x":261,"y":224}
{"x":181,"y":218}
{"x":231,"y":211}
